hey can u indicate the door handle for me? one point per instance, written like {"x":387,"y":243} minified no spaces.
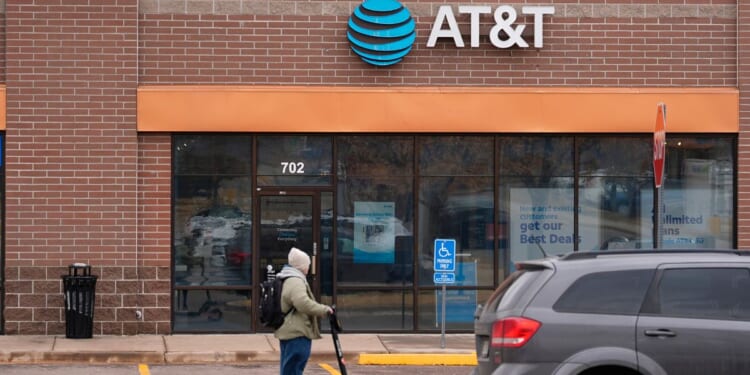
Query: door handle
{"x":314,"y":258}
{"x":659,"y":333}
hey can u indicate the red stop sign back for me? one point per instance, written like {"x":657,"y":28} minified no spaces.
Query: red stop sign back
{"x":660,"y":144}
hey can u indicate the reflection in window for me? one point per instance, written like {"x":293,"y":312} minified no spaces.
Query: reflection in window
{"x":460,"y":209}
{"x":212,"y":231}
{"x":536,"y":156}
{"x":536,"y":198}
{"x":326,"y":248}
{"x":366,"y":156}
{"x":375,"y":231}
{"x":455,"y":156}
{"x":542,"y":219}
{"x":615,"y":190}
{"x":554,"y":194}
{"x":211,"y":225}
{"x":456,"y":202}
{"x":296,"y":160}
{"x":618,"y":292}
{"x":616,"y":213}
{"x":615,"y":156}
{"x":395,"y":309}
{"x":197,"y":154}
{"x":703,"y":292}
{"x":285,"y":221}
{"x":212,"y":310}
{"x":698,"y":195}
{"x":460,"y":305}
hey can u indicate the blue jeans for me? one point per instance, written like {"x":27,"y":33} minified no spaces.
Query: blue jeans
{"x":294,"y":355}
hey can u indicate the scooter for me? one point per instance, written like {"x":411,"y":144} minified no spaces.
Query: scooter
{"x":335,"y":329}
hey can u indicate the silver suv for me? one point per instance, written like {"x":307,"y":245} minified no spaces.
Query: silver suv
{"x":620,"y":312}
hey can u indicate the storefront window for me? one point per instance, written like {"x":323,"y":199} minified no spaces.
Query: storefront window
{"x":375,"y":212}
{"x":460,"y":209}
{"x":536,"y":198}
{"x":374,"y":231}
{"x":615,"y":156}
{"x":456,"y":202}
{"x":541,"y":219}
{"x":211,"y":230}
{"x":212,"y":310}
{"x":387,"y":198}
{"x":375,"y":156}
{"x":698,"y":197}
{"x":616,"y":213}
{"x":455,"y":156}
{"x":615,"y":188}
{"x":296,"y":160}
{"x":377,"y":310}
{"x":460,"y":305}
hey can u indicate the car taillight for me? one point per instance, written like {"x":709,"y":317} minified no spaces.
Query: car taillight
{"x":513,"y":332}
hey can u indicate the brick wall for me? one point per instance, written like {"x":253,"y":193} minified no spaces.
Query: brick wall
{"x":71,"y":157}
{"x":154,"y":213}
{"x":595,"y":43}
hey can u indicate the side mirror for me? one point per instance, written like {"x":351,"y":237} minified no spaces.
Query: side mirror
{"x":478,"y":311}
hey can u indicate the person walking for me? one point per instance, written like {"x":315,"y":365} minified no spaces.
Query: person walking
{"x":301,"y":324}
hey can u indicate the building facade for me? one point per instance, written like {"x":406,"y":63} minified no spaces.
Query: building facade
{"x":180,"y":147}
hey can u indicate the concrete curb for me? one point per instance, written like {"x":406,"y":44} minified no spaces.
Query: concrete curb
{"x":89,"y":358}
{"x":375,"y":349}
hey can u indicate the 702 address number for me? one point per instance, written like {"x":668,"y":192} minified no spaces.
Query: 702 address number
{"x":292,"y":167}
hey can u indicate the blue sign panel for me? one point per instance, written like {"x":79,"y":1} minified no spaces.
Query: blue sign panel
{"x":444,"y":277}
{"x":445,"y":255}
{"x":461,"y":304}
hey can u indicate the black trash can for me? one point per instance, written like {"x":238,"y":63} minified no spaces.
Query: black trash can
{"x":79,"y":290}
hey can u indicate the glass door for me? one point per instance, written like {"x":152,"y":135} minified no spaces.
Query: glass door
{"x":288,"y":219}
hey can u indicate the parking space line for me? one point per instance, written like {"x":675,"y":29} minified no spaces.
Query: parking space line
{"x":418,"y":359}
{"x":143,"y":369}
{"x":329,"y":368}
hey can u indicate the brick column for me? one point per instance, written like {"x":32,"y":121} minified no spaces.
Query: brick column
{"x":72,"y":162}
{"x":743,"y":82}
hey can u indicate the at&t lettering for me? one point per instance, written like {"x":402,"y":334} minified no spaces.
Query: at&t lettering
{"x":504,"y":33}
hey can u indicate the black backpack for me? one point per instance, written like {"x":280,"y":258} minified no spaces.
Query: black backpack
{"x":269,"y":308}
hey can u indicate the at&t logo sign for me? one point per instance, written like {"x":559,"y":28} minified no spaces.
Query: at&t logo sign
{"x":381,"y":32}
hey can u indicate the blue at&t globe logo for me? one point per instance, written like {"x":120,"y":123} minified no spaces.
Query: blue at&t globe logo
{"x":381,"y":32}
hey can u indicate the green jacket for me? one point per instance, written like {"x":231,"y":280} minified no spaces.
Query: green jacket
{"x":303,"y":321}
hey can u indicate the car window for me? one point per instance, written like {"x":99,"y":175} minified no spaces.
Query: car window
{"x":711,"y":293}
{"x":506,"y":295}
{"x":615,"y":292}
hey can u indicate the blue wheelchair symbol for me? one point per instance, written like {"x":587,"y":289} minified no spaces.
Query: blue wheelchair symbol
{"x":445,"y":255}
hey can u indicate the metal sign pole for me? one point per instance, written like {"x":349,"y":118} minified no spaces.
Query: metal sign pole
{"x":658,"y":220}
{"x":444,"y":266}
{"x":442,"y":329}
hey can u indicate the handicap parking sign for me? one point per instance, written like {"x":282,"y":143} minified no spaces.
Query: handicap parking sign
{"x":444,"y":278}
{"x":445,"y":255}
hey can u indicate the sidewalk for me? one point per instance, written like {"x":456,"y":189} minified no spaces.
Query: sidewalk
{"x":374,"y":349}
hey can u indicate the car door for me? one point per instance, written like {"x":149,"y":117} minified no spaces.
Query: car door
{"x":696,"y":320}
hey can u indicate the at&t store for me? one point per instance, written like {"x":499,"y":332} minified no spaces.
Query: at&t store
{"x":361,"y":132}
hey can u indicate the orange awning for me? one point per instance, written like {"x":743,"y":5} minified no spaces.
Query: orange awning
{"x":315,"y":109}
